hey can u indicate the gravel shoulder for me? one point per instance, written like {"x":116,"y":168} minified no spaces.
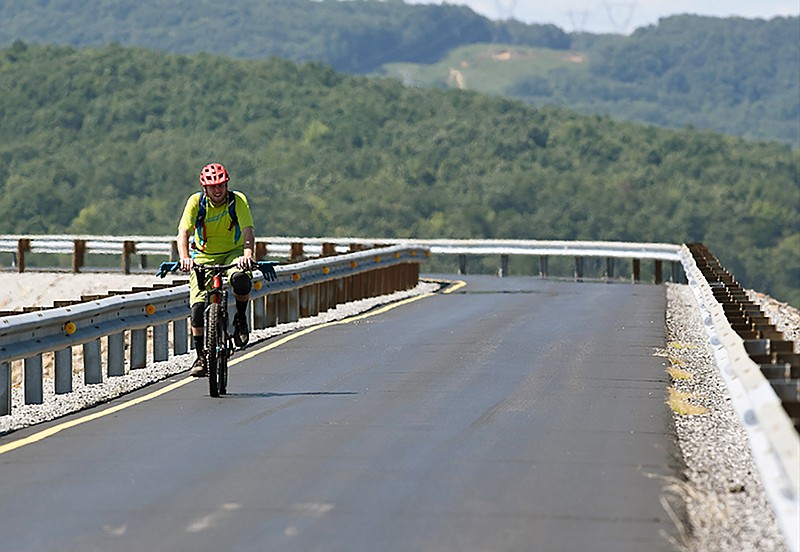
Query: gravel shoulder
{"x":722,"y":493}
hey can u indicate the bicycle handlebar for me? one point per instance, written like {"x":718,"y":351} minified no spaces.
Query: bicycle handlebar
{"x":267,"y":268}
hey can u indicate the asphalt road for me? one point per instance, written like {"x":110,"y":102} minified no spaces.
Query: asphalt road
{"x":513,"y":414}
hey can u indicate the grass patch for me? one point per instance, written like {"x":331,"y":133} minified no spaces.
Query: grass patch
{"x":678,"y":373}
{"x":488,"y":68}
{"x":678,"y":401}
{"x":677,"y":345}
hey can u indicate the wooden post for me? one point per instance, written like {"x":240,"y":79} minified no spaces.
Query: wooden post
{"x":296,"y":254}
{"x":23,"y":246}
{"x":78,"y":255}
{"x":128,"y":248}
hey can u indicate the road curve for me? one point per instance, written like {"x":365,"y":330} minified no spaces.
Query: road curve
{"x":513,"y":414}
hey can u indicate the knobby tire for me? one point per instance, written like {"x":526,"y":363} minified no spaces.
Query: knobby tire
{"x":214,"y":346}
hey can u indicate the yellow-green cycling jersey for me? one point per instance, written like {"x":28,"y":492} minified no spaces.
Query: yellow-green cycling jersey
{"x":217,"y":235}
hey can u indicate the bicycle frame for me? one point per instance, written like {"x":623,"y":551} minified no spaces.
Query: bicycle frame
{"x":219,"y":345}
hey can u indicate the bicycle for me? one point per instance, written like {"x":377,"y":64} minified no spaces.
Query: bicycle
{"x":219,"y":346}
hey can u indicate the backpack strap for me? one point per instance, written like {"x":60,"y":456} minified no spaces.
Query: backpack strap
{"x":234,"y":219}
{"x":200,"y":220}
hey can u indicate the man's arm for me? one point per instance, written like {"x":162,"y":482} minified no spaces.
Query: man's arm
{"x":247,"y":260}
{"x":183,"y":250}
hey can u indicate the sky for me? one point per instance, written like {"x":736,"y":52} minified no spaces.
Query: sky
{"x":619,"y":16}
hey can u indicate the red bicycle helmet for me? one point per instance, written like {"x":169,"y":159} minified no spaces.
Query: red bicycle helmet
{"x":213,"y":174}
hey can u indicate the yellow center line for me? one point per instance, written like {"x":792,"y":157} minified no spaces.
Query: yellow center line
{"x":49,"y":432}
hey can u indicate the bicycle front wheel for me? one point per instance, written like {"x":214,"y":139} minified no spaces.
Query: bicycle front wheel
{"x":214,"y":348}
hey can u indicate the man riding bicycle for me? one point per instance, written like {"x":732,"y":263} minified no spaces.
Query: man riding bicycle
{"x":217,"y":228}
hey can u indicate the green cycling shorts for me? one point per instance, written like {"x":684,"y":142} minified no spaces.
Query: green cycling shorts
{"x":197,"y":296}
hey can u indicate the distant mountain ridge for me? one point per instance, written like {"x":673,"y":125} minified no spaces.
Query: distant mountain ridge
{"x":732,"y":75}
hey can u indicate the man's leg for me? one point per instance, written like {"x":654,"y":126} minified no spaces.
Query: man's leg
{"x":241,"y":284}
{"x":199,"y":366}
{"x":197,"y":302}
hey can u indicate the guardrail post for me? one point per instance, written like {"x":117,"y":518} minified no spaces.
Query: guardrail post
{"x":116,"y":354}
{"x":676,"y":271}
{"x":609,"y":268}
{"x":5,"y":388}
{"x":128,"y":248}
{"x":261,"y":251}
{"x":173,"y":250}
{"x":293,"y":305}
{"x":272,"y":310}
{"x":462,"y":264}
{"x":282,"y":306}
{"x":324,"y":296}
{"x":92,"y":363}
{"x":636,"y":270}
{"x":543,"y":268}
{"x":180,"y":336}
{"x":138,"y":349}
{"x":503,"y":265}
{"x":259,"y":313}
{"x":313,"y":299}
{"x":23,"y":246}
{"x":328,"y":249}
{"x":579,"y":269}
{"x":657,"y":277}
{"x":160,"y":342}
{"x":63,"y":368}
{"x":33,"y":380}
{"x":304,"y":299}
{"x":296,"y":254}
{"x":78,"y":255}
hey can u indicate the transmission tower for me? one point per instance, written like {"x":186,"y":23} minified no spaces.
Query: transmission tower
{"x":505,"y":8}
{"x":577,"y":19}
{"x":626,"y":10}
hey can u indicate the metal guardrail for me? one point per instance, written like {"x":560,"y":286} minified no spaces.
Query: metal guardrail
{"x":735,"y":336}
{"x":301,"y":289}
{"x":296,"y":248}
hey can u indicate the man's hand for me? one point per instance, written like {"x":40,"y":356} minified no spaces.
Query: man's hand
{"x":245,"y":262}
{"x":186,"y":264}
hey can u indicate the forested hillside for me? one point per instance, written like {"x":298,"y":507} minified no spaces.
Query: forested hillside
{"x":733,"y":75}
{"x":110,"y":140}
{"x":736,"y":76}
{"x":355,"y":36}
